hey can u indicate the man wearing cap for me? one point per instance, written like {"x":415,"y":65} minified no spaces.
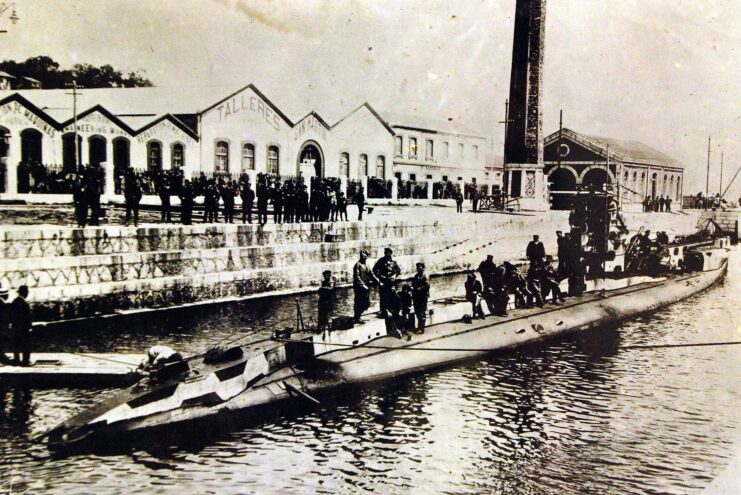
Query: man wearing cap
{"x":4,"y":326}
{"x":20,"y":320}
{"x":362,"y":278}
{"x":486,"y":270}
{"x":326,"y":299}
{"x":535,"y":251}
{"x":420,"y":295}
{"x":386,"y":271}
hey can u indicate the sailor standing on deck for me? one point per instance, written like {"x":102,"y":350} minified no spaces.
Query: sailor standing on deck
{"x":326,"y":296}
{"x":535,"y":251}
{"x":420,"y":296}
{"x":362,"y":278}
{"x":386,"y":271}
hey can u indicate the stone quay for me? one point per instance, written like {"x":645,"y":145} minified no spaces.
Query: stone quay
{"x":80,"y":273}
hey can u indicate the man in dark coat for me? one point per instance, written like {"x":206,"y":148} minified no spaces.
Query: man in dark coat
{"x":4,"y":326}
{"x":80,"y":198}
{"x":262,"y":200}
{"x":187,"y":195}
{"x":486,"y":270}
{"x":326,"y":300}
{"x":474,"y":290}
{"x":94,"y":179}
{"x":362,"y":280}
{"x":563,"y":254}
{"x":360,"y":200}
{"x":475,"y":199}
{"x":248,"y":198}
{"x":20,"y":322}
{"x":227,"y":192}
{"x":277,"y":196}
{"x":420,"y":296}
{"x":535,"y":252}
{"x":386,"y":271}
{"x":132,"y":196}
{"x":458,"y":202}
{"x":164,"y":192}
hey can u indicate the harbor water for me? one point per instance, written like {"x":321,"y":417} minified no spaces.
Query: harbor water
{"x":580,"y":414}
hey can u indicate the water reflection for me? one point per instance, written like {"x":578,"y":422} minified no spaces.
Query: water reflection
{"x":576,"y":415}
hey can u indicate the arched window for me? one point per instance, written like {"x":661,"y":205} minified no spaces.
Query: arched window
{"x":273,"y":160}
{"x":248,"y":156}
{"x":221,"y":156}
{"x":381,"y":167}
{"x":31,"y":146}
{"x":69,"y":152}
{"x":154,"y":156}
{"x":679,"y":189}
{"x":363,"y":165}
{"x":344,"y":164}
{"x":663,"y":185}
{"x":177,"y":156}
{"x":97,"y":152}
{"x":121,"y":154}
{"x":398,"y":145}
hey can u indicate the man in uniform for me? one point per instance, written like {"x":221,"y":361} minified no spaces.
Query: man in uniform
{"x":486,"y":270}
{"x":187,"y":194}
{"x":262,"y":200}
{"x":386,"y":271}
{"x":535,"y":251}
{"x":362,"y":278}
{"x":163,"y":191}
{"x":326,"y":300}
{"x":562,"y":252}
{"x":248,"y":198}
{"x":360,"y":199}
{"x":4,"y":326}
{"x":475,"y":199}
{"x":132,"y":196}
{"x":277,"y":195}
{"x":420,"y":296}
{"x":20,"y":321}
{"x":80,"y":198}
{"x":228,"y":192}
{"x":458,"y":202}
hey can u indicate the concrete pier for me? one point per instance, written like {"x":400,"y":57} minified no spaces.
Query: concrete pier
{"x":77,"y":273}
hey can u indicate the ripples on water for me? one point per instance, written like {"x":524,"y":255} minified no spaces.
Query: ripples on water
{"x":578,"y":415}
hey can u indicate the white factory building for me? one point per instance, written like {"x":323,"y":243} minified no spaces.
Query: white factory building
{"x":198,"y":131}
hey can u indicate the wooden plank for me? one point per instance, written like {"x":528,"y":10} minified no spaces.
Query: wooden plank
{"x":73,"y":370}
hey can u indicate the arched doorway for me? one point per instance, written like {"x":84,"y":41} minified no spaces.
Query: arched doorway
{"x":68,"y":150}
{"x":563,"y":187}
{"x":654,"y":178}
{"x":4,"y":152}
{"x":31,"y":146}
{"x":311,"y":154}
{"x":596,"y":177}
{"x":96,"y":150}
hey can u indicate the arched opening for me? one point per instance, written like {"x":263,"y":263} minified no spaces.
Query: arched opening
{"x":121,"y":153}
{"x":154,"y":156}
{"x":653,"y":185}
{"x":363,"y":165}
{"x":4,"y":143}
{"x":311,"y":155}
{"x":596,"y":177}
{"x":381,"y":167}
{"x":273,"y":160}
{"x":563,"y":187}
{"x":177,"y":156}
{"x":96,"y":150}
{"x":69,"y":153}
{"x":31,"y":146}
{"x":344,"y":164}
{"x":221,"y":157}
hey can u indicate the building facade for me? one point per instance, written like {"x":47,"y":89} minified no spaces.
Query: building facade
{"x":637,"y":171}
{"x":152,"y":129}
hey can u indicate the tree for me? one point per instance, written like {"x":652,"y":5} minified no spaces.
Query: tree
{"x":47,"y":71}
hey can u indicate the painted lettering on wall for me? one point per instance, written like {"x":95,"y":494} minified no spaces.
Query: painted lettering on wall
{"x":310,"y":123}
{"x":11,"y":111}
{"x":96,"y":123}
{"x":236,"y":104}
{"x":165,"y":131}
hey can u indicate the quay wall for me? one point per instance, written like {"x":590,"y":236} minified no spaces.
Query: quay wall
{"x":77,"y":273}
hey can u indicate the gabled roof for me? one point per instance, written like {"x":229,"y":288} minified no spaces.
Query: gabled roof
{"x":259,"y":93}
{"x":5,"y":74}
{"x":367,"y":106}
{"x":103,"y":111}
{"x":316,"y":116}
{"x":175,"y":121}
{"x":16,"y":97}
{"x":624,"y":150}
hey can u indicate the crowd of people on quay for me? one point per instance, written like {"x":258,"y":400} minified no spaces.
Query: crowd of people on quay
{"x":15,"y":327}
{"x":661,"y":204}
{"x":289,"y":199}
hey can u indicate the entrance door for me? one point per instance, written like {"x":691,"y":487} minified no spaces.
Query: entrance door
{"x":97,"y":151}
{"x":311,"y":155}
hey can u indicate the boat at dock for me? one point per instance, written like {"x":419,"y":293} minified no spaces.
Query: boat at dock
{"x":296,"y":367}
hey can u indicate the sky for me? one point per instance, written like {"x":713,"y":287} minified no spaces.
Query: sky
{"x":664,"y":72}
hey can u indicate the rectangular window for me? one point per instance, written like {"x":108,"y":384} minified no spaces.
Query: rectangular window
{"x":248,"y":156}
{"x":398,"y":146}
{"x":381,"y":167}
{"x":412,"y":147}
{"x":446,"y":150}
{"x":445,"y":178}
{"x":412,"y":177}
{"x":222,"y":157}
{"x":429,"y":177}
{"x":460,"y":150}
{"x":429,"y":149}
{"x":273,"y":160}
{"x":178,"y":156}
{"x":363,"y":165}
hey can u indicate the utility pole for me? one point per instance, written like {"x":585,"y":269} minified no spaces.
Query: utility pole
{"x":75,"y":94}
{"x":720,"y":186}
{"x":707,"y":177}
{"x":506,"y":122}
{"x":560,"y":136}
